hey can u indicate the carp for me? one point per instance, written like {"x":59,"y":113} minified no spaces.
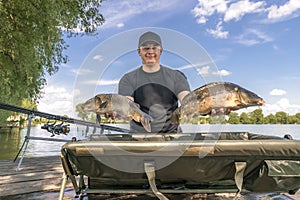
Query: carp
{"x":114,"y":105}
{"x":216,"y":98}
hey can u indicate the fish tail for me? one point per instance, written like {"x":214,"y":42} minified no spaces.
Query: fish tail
{"x":144,"y":118}
{"x":146,"y":122}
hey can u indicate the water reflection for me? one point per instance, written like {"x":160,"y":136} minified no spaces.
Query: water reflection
{"x":10,"y":142}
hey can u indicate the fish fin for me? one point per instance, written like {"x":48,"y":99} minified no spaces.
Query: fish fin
{"x":176,"y":115}
{"x":97,"y":100}
{"x":103,"y":105}
{"x":146,"y":122}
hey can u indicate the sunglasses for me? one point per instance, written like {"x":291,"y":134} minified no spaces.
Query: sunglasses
{"x":147,"y":48}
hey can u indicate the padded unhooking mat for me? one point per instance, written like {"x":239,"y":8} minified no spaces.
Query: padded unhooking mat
{"x":186,"y":162}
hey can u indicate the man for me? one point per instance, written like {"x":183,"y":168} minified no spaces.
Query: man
{"x":155,"y":88}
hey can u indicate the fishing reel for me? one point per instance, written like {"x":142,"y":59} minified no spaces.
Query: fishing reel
{"x":49,"y":127}
{"x":57,"y":129}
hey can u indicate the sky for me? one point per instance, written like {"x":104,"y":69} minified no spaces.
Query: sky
{"x":254,"y":44}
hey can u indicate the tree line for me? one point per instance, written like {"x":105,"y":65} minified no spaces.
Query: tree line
{"x":254,"y":117}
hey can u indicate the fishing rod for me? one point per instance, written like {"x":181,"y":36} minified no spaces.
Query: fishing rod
{"x":56,"y":128}
{"x":61,"y":118}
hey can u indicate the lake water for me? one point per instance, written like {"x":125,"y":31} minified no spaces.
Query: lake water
{"x":10,"y":143}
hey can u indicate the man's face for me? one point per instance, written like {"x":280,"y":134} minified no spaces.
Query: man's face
{"x":150,"y":53}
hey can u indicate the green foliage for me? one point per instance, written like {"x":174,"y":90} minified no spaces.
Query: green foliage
{"x":29,"y":104}
{"x":217,"y":119}
{"x":281,"y":117}
{"x":233,"y":118}
{"x":291,"y":119}
{"x":244,"y":118}
{"x":32,"y":44}
{"x":80,"y":113}
{"x":270,"y":119}
{"x":257,"y":116}
{"x":298,"y":118}
{"x":254,"y":117}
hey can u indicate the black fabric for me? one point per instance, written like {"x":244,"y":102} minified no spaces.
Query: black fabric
{"x":272,"y":165}
{"x":156,"y":93}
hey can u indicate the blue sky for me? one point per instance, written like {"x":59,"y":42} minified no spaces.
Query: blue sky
{"x":254,"y":44}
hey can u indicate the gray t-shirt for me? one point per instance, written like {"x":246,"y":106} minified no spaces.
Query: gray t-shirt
{"x":156,"y":93}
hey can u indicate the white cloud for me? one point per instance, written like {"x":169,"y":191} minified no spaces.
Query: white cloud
{"x":226,"y":9}
{"x":206,"y":8}
{"x":117,"y":12}
{"x":56,"y":100}
{"x":102,"y":82}
{"x":196,"y":66}
{"x":229,"y":10}
{"x":98,"y":58}
{"x":203,"y":70}
{"x":201,"y":20}
{"x":226,"y":12}
{"x":73,"y":30}
{"x":120,"y":25}
{"x":281,"y":105}
{"x":262,"y":36}
{"x":222,"y":72}
{"x":252,"y":36}
{"x":186,"y":67}
{"x":239,"y":9}
{"x":277,"y":92}
{"x":218,"y":32}
{"x":277,"y":12}
{"x":81,"y":71}
{"x":206,"y":70}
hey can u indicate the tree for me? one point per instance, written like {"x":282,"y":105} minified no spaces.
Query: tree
{"x":81,"y":113}
{"x":281,"y":117}
{"x":32,"y":44}
{"x":219,"y":119}
{"x":234,"y":118}
{"x":291,"y":119}
{"x":270,"y":119}
{"x":244,"y":118}
{"x":29,"y":104}
{"x":257,"y":116}
{"x":298,"y":118}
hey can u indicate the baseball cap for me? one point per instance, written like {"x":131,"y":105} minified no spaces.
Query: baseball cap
{"x":149,"y":37}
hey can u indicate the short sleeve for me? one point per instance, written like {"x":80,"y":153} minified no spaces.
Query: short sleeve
{"x":126,"y":86}
{"x":181,"y":82}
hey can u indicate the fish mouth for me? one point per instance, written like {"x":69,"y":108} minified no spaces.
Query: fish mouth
{"x":261,"y":102}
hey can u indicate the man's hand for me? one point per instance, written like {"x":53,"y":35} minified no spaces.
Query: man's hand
{"x":130,"y":98}
{"x":220,"y":111}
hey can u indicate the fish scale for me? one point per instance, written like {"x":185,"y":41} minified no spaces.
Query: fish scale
{"x":117,"y":106}
{"x":216,"y":96}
